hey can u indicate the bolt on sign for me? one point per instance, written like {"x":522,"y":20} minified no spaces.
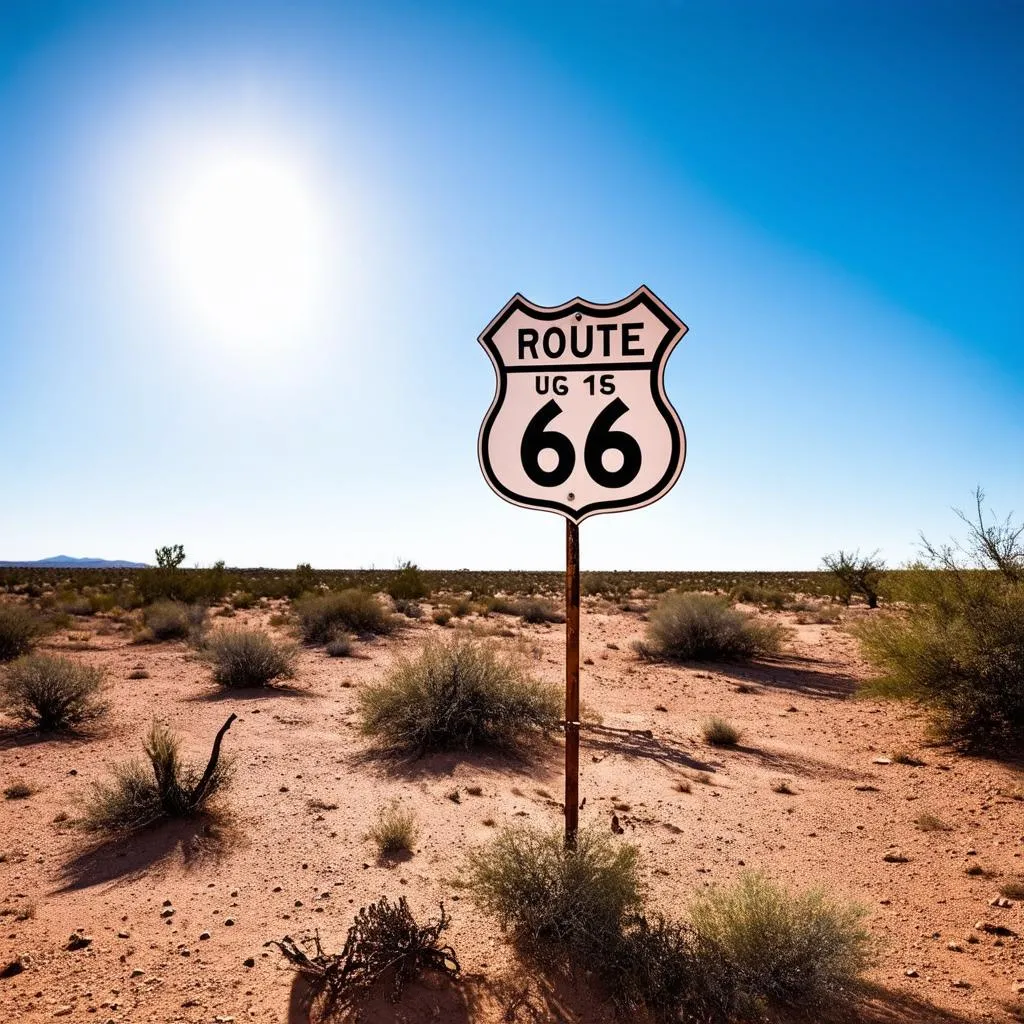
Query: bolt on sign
{"x":580,"y":424}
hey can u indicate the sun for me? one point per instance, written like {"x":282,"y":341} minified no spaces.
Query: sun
{"x":244,"y":244}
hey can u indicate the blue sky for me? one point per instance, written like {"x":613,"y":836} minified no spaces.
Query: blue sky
{"x":827,"y":193}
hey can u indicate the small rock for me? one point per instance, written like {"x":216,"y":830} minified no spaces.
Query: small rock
{"x":954,"y":947}
{"x":234,"y":892}
{"x":298,"y":903}
{"x":911,"y":973}
{"x":138,"y":972}
{"x":249,"y":962}
{"x":203,"y":936}
{"x":895,"y":857}
{"x":960,"y":983}
{"x":229,"y":921}
{"x":1000,"y":901}
{"x":168,"y":903}
{"x":167,"y":912}
{"x":882,"y":760}
{"x":123,"y":935}
{"x":62,"y":1011}
{"x":79,"y":941}
{"x":276,"y":888}
{"x":13,"y":968}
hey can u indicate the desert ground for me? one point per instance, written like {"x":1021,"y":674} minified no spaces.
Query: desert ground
{"x":292,"y":855}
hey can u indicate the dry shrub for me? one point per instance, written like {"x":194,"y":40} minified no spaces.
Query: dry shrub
{"x":799,"y":950}
{"x":535,"y":610}
{"x":19,"y":628}
{"x":173,"y":788}
{"x":174,"y":620}
{"x":51,"y":693}
{"x":248,"y":657}
{"x":383,"y":944}
{"x":353,"y":611}
{"x":703,"y":627}
{"x":460,"y":693}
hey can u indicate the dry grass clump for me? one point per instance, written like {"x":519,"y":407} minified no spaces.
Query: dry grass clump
{"x":339,"y":647}
{"x":459,"y":693}
{"x":173,"y":788}
{"x":384,"y":943}
{"x":703,"y":627}
{"x":173,"y":620}
{"x":1013,"y":888}
{"x":395,"y":830}
{"x":322,"y":617}
{"x":19,"y":789}
{"x":19,"y":628}
{"x":799,"y":950}
{"x":51,"y":693}
{"x":928,"y":822}
{"x":720,"y":732}
{"x":244,"y":658}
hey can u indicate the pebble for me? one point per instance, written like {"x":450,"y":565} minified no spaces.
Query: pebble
{"x":138,"y":972}
{"x":229,"y":921}
{"x":203,"y":936}
{"x":960,"y":983}
{"x":167,"y":912}
{"x":249,"y":962}
{"x":911,"y":973}
{"x":62,"y":1011}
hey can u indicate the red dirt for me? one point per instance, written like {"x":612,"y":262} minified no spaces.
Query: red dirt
{"x":280,"y":866}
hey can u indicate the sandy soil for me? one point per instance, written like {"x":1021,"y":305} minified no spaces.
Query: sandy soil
{"x":281,"y":866}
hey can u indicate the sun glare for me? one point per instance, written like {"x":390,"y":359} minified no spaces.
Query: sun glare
{"x":244,"y":243}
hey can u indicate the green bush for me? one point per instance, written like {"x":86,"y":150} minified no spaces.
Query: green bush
{"x":248,"y":657}
{"x":765,"y":597}
{"x":799,"y":950}
{"x":551,"y":898}
{"x":19,"y":628}
{"x":959,"y":648}
{"x":959,"y":651}
{"x":408,"y":583}
{"x":137,"y":798}
{"x":51,"y":693}
{"x":703,"y":627}
{"x":459,"y":693}
{"x":353,"y":611}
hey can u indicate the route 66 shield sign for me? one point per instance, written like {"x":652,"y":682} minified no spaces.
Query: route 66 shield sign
{"x":580,"y":423}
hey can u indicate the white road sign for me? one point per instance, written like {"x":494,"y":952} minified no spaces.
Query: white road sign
{"x":580,"y":423}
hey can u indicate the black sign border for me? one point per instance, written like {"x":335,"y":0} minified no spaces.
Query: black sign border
{"x":674,"y":330}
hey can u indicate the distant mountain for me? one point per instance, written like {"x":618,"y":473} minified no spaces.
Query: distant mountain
{"x":67,"y":562}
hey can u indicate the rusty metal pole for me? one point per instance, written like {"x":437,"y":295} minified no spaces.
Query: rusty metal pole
{"x":572,"y":682}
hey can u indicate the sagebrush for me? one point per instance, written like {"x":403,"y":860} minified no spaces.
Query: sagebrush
{"x":704,"y":627}
{"x":459,"y":693}
{"x":19,"y":628}
{"x":322,"y":617}
{"x":52,"y":693}
{"x":248,"y":658}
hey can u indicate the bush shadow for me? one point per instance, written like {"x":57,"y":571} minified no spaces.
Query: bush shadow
{"x":814,"y":678}
{"x":120,"y":859}
{"x":18,"y":737}
{"x":430,"y":998}
{"x":538,"y":759}
{"x":875,"y":1004}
